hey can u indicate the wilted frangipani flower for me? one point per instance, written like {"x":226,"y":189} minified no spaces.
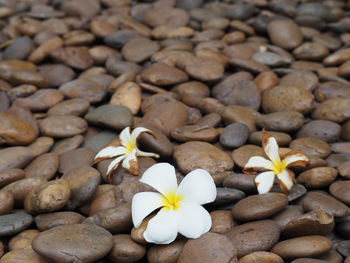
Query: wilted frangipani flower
{"x":181,"y":210}
{"x":274,"y":166}
{"x":127,"y":152}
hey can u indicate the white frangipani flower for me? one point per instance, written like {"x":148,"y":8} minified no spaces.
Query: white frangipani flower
{"x":127,"y":152}
{"x":274,"y":166}
{"x":181,"y":210}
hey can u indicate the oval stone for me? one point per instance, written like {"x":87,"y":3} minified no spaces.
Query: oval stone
{"x":66,"y":243}
{"x":341,"y":191}
{"x":14,"y":223}
{"x":254,"y":236}
{"x":45,"y":166}
{"x":283,"y":121}
{"x":193,"y":155}
{"x":311,"y":146}
{"x":318,"y":177}
{"x":126,"y":250}
{"x":261,"y":257}
{"x":63,"y":126}
{"x":256,"y":207}
{"x":306,"y":246}
{"x":284,"y":33}
{"x":211,"y":247}
{"x":317,"y":200}
{"x":50,"y":220}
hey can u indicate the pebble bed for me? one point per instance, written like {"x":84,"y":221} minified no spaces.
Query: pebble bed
{"x":206,"y":77}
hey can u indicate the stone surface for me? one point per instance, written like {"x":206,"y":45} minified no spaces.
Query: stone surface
{"x":14,"y":223}
{"x":192,"y":155}
{"x":254,"y":236}
{"x":208,"y":248}
{"x":67,"y":242}
{"x":259,"y":206}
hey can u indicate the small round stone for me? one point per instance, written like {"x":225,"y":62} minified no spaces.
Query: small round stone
{"x":234,"y":135}
{"x":256,"y":207}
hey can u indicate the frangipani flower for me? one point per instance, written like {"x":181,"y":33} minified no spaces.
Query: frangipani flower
{"x":274,"y":166}
{"x":127,"y":153}
{"x":181,"y":209}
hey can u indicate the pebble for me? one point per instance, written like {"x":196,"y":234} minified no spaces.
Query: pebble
{"x":234,"y":135}
{"x":75,"y":57}
{"x":25,"y":255}
{"x":236,"y":113}
{"x":68,"y":144}
{"x":306,"y":246}
{"x":83,"y":182}
{"x":208,"y":248}
{"x":194,"y":133}
{"x":339,"y":189}
{"x":256,"y":207}
{"x":317,"y":200}
{"x":283,"y":139}
{"x":139,"y":49}
{"x":222,"y":221}
{"x":193,"y":155}
{"x":51,"y":220}
{"x":76,"y":107}
{"x":204,"y":69}
{"x":97,"y":141}
{"x":47,"y":197}
{"x":14,"y":223}
{"x":331,"y":89}
{"x":56,"y":74}
{"x":19,"y":49}
{"x":310,"y":51}
{"x":6,"y":203}
{"x":336,"y":110}
{"x":284,"y":33}
{"x":23,"y":239}
{"x":243,"y":182}
{"x":10,"y":175}
{"x":327,"y":131}
{"x":15,"y":157}
{"x":15,"y":131}
{"x":311,"y":147}
{"x":317,"y":222}
{"x":302,"y":79}
{"x":227,"y":196}
{"x":282,"y":121}
{"x":318,"y":177}
{"x":165,"y":253}
{"x":125,"y":249}
{"x":75,"y":158}
{"x":261,"y":256}
{"x":266,"y":80}
{"x":192,"y":92}
{"x":62,"y":126}
{"x":299,"y":99}
{"x":241,"y":155}
{"x":259,"y":235}
{"x":45,"y":167}
{"x":128,"y":95}
{"x":65,"y":243}
{"x":163,"y":75}
{"x":113,"y":116}
{"x":84,"y":89}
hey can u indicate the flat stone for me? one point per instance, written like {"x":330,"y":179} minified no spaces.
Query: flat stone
{"x":254,"y":236}
{"x":317,"y":200}
{"x":318,"y":177}
{"x":162,"y":75}
{"x":192,"y":155}
{"x":340,"y":190}
{"x":15,"y":157}
{"x":139,"y":49}
{"x":51,"y":220}
{"x":14,"y":223}
{"x":283,"y":121}
{"x":62,"y":126}
{"x":75,"y":158}
{"x":65,"y":243}
{"x":261,"y":256}
{"x":311,"y":146}
{"x":45,"y":166}
{"x":126,"y":250}
{"x":259,"y":206}
{"x":112,"y":116}
{"x":306,"y":246}
{"x":327,"y":131}
{"x":290,"y":37}
{"x":208,"y":248}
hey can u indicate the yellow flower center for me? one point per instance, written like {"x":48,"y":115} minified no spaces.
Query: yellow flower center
{"x":130,"y":145}
{"x":278,"y":166}
{"x":171,"y":201}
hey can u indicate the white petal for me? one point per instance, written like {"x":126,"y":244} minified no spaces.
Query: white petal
{"x":296,"y":158}
{"x":271,"y":147}
{"x":114,"y":164}
{"x":161,"y":176}
{"x":143,"y":204}
{"x":193,"y":219}
{"x":125,"y":136}
{"x":141,"y":153}
{"x":258,"y":163}
{"x":264,"y":181}
{"x":129,"y":158}
{"x":138,"y":132}
{"x":197,"y":187}
{"x":110,"y":152}
{"x":286,"y":180}
{"x":162,"y":229}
